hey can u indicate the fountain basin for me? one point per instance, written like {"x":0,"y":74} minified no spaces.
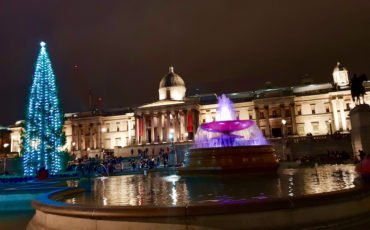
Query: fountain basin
{"x":308,"y":210}
{"x":226,"y":126}
{"x":236,"y":158}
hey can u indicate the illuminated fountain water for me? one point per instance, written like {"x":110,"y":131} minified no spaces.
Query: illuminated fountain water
{"x":226,"y":131}
{"x":230,"y":144}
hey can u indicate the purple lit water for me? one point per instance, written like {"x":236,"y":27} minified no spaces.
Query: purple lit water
{"x":226,"y":131}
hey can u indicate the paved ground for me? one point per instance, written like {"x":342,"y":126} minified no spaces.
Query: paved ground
{"x":360,"y":222}
{"x":15,"y":220}
{"x":18,"y":221}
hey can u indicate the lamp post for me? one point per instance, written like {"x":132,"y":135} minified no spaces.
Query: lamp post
{"x":172,"y":154}
{"x":73,"y":149}
{"x":331,"y":129}
{"x":5,"y":145}
{"x":283,"y":122}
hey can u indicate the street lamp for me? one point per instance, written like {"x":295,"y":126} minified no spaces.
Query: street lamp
{"x":283,"y":137}
{"x":284,"y":123}
{"x":331,"y":129}
{"x":5,"y":145}
{"x":172,"y":151}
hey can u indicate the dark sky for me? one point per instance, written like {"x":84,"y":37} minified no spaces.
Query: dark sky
{"x":123,"y":48}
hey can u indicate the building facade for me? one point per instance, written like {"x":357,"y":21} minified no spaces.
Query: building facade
{"x":316,"y":109}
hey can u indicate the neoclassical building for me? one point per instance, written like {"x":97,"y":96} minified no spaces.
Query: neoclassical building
{"x":318,"y":109}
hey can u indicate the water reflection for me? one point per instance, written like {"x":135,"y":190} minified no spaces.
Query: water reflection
{"x":157,"y":189}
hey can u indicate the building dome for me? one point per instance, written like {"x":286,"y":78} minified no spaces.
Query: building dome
{"x":340,"y":75}
{"x":171,"y":79}
{"x":172,"y":86}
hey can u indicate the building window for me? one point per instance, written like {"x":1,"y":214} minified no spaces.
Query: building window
{"x":287,"y":112}
{"x":274,"y":114}
{"x":299,"y":111}
{"x":327,"y":108}
{"x":348,"y":108}
{"x":315,"y":127}
{"x":250,"y":116}
{"x":107,"y":144}
{"x":300,"y":129}
{"x":313,"y":109}
{"x":204,"y":120}
{"x":118,"y":141}
{"x":289,"y":130}
{"x":107,"y":127}
{"x":328,"y":125}
{"x":117,"y":128}
{"x":262,"y":115}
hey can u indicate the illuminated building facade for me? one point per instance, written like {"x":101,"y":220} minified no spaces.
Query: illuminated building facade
{"x":317,"y":109}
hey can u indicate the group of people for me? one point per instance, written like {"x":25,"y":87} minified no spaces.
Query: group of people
{"x":110,"y":164}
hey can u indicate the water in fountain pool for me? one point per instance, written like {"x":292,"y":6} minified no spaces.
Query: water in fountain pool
{"x":161,"y":189}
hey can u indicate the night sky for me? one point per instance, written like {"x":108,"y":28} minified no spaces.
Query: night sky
{"x":123,"y":48}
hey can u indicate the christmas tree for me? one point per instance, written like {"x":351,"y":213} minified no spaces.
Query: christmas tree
{"x":44,"y":122}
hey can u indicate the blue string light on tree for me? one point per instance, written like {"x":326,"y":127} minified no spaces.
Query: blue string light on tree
{"x":44,"y":121}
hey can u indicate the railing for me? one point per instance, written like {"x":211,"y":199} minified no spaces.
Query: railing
{"x":317,"y":138}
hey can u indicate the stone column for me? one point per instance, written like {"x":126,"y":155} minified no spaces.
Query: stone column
{"x":335,"y":114}
{"x":342,"y":116}
{"x":91,"y":146}
{"x":180,"y":126}
{"x":168,"y":126}
{"x":160,"y":128}
{"x":152,"y":134}
{"x":144,"y":131}
{"x":282,"y":111}
{"x":176,"y":126}
{"x":186,"y":133}
{"x":292,"y":116}
{"x":257,"y":112}
{"x":267,"y":121}
{"x":79,"y":137}
{"x":95,"y":129}
{"x":83,"y":139}
{"x":98,"y":138}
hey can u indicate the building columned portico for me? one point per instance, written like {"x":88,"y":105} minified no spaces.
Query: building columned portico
{"x":158,"y":126}
{"x":172,"y":118}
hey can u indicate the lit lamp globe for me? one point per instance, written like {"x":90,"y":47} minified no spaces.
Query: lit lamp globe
{"x":283,"y":122}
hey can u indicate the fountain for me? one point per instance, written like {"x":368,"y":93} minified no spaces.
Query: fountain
{"x":230,"y":144}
